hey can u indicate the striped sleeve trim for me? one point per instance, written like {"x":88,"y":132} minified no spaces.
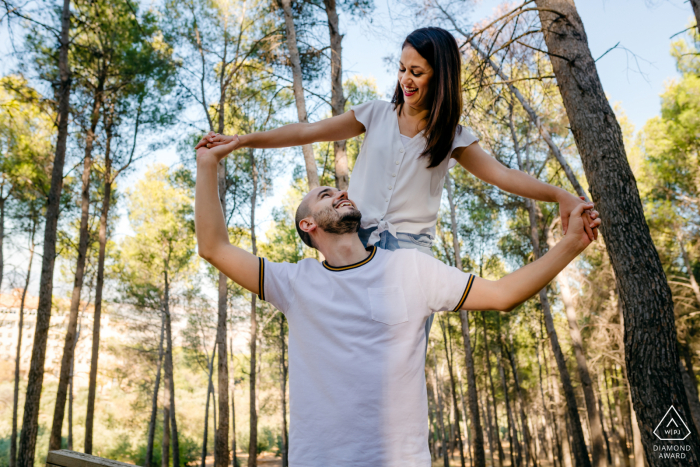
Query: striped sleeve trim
{"x":261,"y":279}
{"x":467,"y":289}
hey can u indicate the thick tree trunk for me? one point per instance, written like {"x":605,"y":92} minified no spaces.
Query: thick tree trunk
{"x":92,"y":384}
{"x":70,"y":393}
{"x":20,"y":326}
{"x":154,"y":399}
{"x":487,"y":357}
{"x":298,"y":88}
{"x":283,"y":393}
{"x":455,"y":406}
{"x":210,"y":388}
{"x":578,"y":442}
{"x":342,"y":176}
{"x":253,"y":447}
{"x":69,"y":344}
{"x":221,"y":453}
{"x":650,"y":337}
{"x":169,"y":371}
{"x":594,"y":423}
{"x":696,"y":12}
{"x":35,"y":378}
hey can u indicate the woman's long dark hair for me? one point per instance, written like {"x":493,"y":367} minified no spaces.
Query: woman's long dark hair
{"x":441,"y":51}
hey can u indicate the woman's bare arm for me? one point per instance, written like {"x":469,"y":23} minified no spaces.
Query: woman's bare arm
{"x":338,"y":128}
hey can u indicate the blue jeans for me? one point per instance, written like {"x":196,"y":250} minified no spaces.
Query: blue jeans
{"x":420,"y":242}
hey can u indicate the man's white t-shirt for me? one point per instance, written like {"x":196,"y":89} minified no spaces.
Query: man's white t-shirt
{"x":357,"y":354}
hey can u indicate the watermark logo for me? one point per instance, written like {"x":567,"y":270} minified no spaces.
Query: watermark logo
{"x":672,"y":427}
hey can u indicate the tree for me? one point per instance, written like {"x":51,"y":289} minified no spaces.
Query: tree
{"x":650,"y":338}
{"x":35,"y":379}
{"x":157,"y":260}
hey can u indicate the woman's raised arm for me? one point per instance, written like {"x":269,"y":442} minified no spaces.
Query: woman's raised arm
{"x":338,"y":128}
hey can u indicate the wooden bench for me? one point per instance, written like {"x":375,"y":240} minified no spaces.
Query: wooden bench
{"x":66,"y":458}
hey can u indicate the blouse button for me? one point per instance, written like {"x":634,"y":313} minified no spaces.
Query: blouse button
{"x":393,"y":175}
{"x":401,"y":150}
{"x":387,"y":200}
{"x":390,"y":187}
{"x":397,"y":162}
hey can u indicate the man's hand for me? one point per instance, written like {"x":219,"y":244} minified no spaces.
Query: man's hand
{"x":212,"y":140}
{"x":577,"y":223}
{"x":567,"y":204}
{"x":219,"y":151}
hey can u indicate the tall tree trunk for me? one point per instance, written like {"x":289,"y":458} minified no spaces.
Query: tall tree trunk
{"x":68,"y":346}
{"x":602,"y":423}
{"x":621,"y":432}
{"x":578,"y":442}
{"x":686,"y":260}
{"x":479,"y":454}
{"x":551,"y":417}
{"x":20,"y":326}
{"x":2,"y":236}
{"x":342,"y":177}
{"x":210,"y":388}
{"x":283,"y":391}
{"x":594,"y":423}
{"x":221,"y":452}
{"x":165,"y":445}
{"x":154,"y":399}
{"x":234,"y":459}
{"x":70,"y":393}
{"x":169,"y":371}
{"x":298,"y":88}
{"x":466,"y":425}
{"x":455,"y":406}
{"x":489,"y":431}
{"x":512,"y":431}
{"x":521,"y":400}
{"x":696,"y":12}
{"x":441,"y":416}
{"x":650,"y":338}
{"x":253,"y":447}
{"x":92,"y":384}
{"x":487,"y":357}
{"x":35,"y":378}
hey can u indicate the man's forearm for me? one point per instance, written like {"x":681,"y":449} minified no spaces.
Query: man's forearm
{"x":527,"y":281}
{"x":209,"y":218}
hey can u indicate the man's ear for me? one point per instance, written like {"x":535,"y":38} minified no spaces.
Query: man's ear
{"x":307,"y":224}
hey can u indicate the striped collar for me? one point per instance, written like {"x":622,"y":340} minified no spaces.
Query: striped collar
{"x":373,"y":251}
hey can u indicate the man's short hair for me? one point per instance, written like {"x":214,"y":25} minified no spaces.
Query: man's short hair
{"x":303,"y":211}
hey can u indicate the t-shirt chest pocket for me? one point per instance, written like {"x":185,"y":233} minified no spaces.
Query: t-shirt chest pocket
{"x":388,"y":305}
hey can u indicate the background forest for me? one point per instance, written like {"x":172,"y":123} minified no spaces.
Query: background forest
{"x":134,"y":349}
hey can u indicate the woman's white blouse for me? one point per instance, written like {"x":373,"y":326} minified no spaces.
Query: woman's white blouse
{"x":391,"y":184}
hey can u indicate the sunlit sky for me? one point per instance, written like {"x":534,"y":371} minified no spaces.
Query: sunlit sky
{"x":632,"y":75}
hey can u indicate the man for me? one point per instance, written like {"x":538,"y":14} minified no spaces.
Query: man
{"x":356,"y":322}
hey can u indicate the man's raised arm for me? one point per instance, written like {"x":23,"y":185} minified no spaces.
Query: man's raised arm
{"x":212,"y":236}
{"x":513,"y":289}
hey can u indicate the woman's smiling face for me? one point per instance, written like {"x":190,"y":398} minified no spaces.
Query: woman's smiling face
{"x":414,"y":77}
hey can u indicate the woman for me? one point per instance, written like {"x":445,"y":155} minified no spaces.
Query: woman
{"x":410,"y":144}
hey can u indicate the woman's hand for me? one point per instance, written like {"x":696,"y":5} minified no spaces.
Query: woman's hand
{"x":212,"y":140}
{"x":569,"y":202}
{"x":219,"y":151}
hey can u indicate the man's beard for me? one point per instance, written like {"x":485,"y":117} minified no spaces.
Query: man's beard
{"x":331,"y":221}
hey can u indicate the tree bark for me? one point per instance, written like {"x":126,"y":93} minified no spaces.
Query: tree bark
{"x":696,"y":11}
{"x":70,"y":393}
{"x":68,"y":346}
{"x":578,"y":447}
{"x":154,"y":399}
{"x":283,"y":391}
{"x":221,"y":452}
{"x":650,"y":337}
{"x":35,"y":378}
{"x":298,"y":88}
{"x":342,"y":176}
{"x":594,"y":423}
{"x":165,"y":445}
{"x":455,"y":406}
{"x":210,"y":388}
{"x":97,"y":317}
{"x":20,"y":326}
{"x":169,"y":371}
{"x":487,"y":357}
{"x":512,"y":431}
{"x":479,"y":452}
{"x":253,"y":446}
{"x":620,"y":426}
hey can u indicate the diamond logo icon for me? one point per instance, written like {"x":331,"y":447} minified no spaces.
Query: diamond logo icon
{"x":672,"y":427}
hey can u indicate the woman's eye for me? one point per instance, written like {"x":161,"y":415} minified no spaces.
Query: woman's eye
{"x":402,"y":70}
{"x":417,"y":74}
